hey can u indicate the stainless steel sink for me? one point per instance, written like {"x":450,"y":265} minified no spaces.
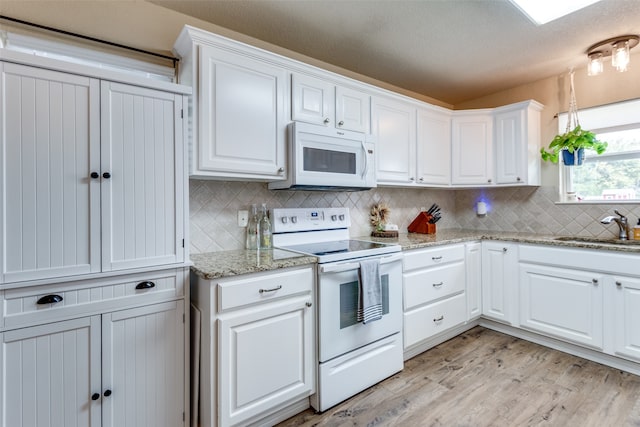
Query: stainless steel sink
{"x":598,"y":240}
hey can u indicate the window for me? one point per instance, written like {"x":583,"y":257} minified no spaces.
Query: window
{"x":615,"y":174}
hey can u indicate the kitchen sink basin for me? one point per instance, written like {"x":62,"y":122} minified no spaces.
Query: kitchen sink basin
{"x":598,"y":240}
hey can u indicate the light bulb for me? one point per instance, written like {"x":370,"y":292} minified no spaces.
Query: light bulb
{"x":620,"y":55}
{"x":595,"y":66}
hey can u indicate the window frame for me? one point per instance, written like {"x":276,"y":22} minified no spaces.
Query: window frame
{"x":605,"y":118}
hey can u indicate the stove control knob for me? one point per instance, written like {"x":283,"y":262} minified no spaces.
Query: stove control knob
{"x":285,"y":219}
{"x":294,"y":219}
{"x":334,"y":217}
{"x":342,"y":217}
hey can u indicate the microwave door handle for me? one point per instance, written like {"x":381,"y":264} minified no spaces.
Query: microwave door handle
{"x":366,"y":160}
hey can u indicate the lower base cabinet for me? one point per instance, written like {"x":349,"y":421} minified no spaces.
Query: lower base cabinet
{"x":120,"y":369}
{"x":562,"y":303}
{"x":626,"y":315}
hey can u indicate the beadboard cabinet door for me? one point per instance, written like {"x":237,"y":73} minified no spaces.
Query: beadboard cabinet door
{"x":49,"y":145}
{"x":49,"y":374}
{"x":143,"y":366}
{"x":141,"y":201}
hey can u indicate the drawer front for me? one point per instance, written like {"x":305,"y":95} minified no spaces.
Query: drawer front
{"x":425,"y":286}
{"x":430,"y":320}
{"x":45,"y":303}
{"x":424,"y":258}
{"x":256,"y":288}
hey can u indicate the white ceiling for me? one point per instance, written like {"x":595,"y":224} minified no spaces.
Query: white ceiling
{"x":451,"y":50}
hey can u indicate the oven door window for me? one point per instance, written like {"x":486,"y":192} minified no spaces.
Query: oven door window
{"x":349,"y":301}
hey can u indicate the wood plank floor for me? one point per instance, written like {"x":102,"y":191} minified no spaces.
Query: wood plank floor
{"x":485,"y":378}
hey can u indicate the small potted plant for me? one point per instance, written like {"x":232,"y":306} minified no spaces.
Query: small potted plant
{"x":575,"y":140}
{"x":572,"y":145}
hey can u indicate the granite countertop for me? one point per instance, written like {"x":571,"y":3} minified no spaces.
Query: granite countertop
{"x":215,"y":265}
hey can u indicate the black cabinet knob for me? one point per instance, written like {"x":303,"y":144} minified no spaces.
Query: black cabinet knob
{"x":50,"y":299}
{"x":107,"y":393}
{"x":106,"y":175}
{"x":95,"y":396}
{"x":95,"y":175}
{"x":145,"y":285}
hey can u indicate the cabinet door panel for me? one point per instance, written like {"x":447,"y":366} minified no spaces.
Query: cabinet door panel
{"x":265,"y":359}
{"x":241,"y":121}
{"x":49,"y":373}
{"x":394,"y":126}
{"x":312,"y":100}
{"x":143,"y":366}
{"x":140,"y":200}
{"x":49,"y":208}
{"x":562,"y":303}
{"x":510,"y":143}
{"x":627,"y":317}
{"x":471,"y":150}
{"x":473,"y":266}
{"x":434,"y":148}
{"x":499,"y":281}
{"x":353,"y":110}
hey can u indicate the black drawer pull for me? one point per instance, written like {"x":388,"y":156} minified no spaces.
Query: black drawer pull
{"x":107,"y":393}
{"x":95,"y":396}
{"x":106,"y":175}
{"x":49,"y":299}
{"x":145,"y":285}
{"x":95,"y":175}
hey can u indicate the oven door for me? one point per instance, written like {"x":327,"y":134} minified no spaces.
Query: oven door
{"x":338,"y":300}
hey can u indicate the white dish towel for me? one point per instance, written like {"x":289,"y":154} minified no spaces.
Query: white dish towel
{"x":369,"y":292}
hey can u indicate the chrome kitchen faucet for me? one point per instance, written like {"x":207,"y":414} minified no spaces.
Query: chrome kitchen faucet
{"x":622,"y":224}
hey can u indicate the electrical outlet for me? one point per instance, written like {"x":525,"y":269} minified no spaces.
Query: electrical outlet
{"x":243,"y":218}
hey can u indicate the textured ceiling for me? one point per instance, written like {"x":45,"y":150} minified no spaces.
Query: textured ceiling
{"x":451,"y":50}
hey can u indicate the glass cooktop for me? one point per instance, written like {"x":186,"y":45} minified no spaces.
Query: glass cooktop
{"x":343,"y":249}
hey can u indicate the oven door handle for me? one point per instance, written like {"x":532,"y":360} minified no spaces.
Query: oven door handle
{"x":346,"y":266}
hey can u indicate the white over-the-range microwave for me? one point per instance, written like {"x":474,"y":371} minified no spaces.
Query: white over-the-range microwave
{"x":323,"y":158}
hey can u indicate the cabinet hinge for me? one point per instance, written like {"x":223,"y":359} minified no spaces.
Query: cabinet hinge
{"x":182,"y":317}
{"x":183,"y":243}
{"x":182,"y":114}
{"x":183,"y":416}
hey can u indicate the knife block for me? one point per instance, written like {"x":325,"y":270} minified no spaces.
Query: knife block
{"x":422,"y":225}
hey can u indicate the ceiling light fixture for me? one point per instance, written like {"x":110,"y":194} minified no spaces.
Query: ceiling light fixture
{"x":617,"y":47}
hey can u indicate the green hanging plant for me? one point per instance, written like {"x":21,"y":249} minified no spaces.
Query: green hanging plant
{"x":574,"y":137}
{"x":572,"y":141}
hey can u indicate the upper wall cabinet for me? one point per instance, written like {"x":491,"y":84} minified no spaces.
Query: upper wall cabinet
{"x":90,"y":176}
{"x":472,"y":148}
{"x":394,"y":125}
{"x":517,"y":141}
{"x":239,"y":108}
{"x":318,"y":101}
{"x":433,"y":147}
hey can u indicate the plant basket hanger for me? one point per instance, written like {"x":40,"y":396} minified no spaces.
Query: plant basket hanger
{"x":572,"y":116}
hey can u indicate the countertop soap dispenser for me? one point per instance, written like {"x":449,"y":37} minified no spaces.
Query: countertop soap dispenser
{"x":636,"y":231}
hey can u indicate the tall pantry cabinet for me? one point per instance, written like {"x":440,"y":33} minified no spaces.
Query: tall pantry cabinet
{"x":92,"y":259}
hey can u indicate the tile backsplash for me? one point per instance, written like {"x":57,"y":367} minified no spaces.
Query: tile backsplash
{"x":214,"y":207}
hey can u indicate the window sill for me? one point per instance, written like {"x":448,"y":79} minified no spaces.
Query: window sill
{"x":600,"y":202}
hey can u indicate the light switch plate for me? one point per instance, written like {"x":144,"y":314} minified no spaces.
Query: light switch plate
{"x":243,"y":218}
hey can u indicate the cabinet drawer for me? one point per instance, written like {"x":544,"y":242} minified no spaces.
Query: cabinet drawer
{"x":424,"y":286}
{"x":257,"y":288}
{"x":432,"y":257}
{"x":433,"y":319}
{"x":39,"y":304}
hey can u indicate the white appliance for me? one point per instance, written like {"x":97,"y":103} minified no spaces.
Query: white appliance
{"x":351,"y":355}
{"x":322,"y":158}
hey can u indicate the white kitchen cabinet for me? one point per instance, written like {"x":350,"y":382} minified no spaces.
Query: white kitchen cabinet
{"x":517,"y":143}
{"x":394,"y":126}
{"x":124,"y":368}
{"x":258,"y":348}
{"x":563,"y":303}
{"x":472,"y":147}
{"x":626,"y":312}
{"x":500,"y":281}
{"x":239,"y":108}
{"x":433,"y":147}
{"x":434,"y":299}
{"x":91,"y":175}
{"x":321,"y":102}
{"x":473,"y":267}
